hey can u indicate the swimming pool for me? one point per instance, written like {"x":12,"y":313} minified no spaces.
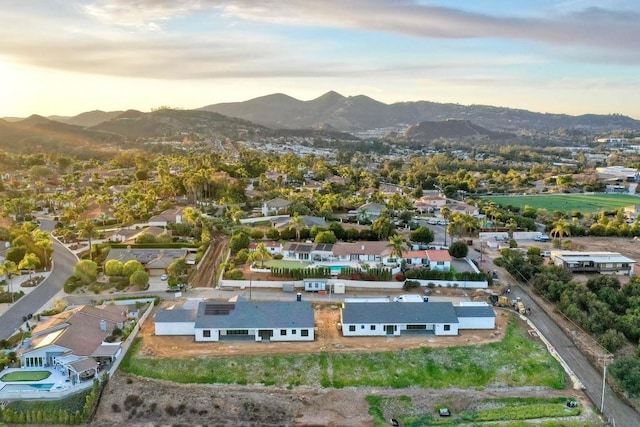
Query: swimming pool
{"x":335,"y":269}
{"x":27,"y":387}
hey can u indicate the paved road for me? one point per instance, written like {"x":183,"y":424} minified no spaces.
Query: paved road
{"x":591,"y":378}
{"x":63,"y":262}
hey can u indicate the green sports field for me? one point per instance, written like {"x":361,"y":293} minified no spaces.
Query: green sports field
{"x":568,"y":202}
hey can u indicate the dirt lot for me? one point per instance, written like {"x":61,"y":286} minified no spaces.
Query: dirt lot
{"x":328,"y":338}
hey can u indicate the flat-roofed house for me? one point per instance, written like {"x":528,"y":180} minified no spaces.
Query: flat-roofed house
{"x":593,"y":262}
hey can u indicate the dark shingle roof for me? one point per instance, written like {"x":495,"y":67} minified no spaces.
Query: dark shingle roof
{"x":475,"y":311}
{"x":399,"y":312}
{"x":257,"y":314}
{"x":176,"y":315}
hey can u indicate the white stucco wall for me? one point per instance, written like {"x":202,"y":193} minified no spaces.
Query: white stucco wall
{"x":476,"y":323}
{"x":175,"y":328}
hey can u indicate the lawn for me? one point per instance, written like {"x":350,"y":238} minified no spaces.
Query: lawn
{"x":514,"y":362}
{"x":568,"y":202}
{"x":281,"y":263}
{"x":25,"y":376}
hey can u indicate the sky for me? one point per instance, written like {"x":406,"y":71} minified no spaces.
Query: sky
{"x":65,"y":57}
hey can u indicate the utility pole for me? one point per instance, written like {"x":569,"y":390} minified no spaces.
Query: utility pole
{"x":607,"y":359}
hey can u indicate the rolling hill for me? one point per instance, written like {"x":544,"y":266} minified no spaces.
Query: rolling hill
{"x":451,"y":129}
{"x":360,"y":113}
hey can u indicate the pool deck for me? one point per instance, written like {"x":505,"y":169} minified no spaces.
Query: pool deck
{"x":60,"y":383}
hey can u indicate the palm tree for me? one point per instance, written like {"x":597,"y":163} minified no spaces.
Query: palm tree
{"x":297,"y":222}
{"x":261,"y":253}
{"x":9,"y":268}
{"x":396,"y":243}
{"x":88,"y":230}
{"x":560,"y":229}
{"x":446,"y":214}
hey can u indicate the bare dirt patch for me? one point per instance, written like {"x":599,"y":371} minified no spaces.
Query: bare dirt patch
{"x":328,"y":338}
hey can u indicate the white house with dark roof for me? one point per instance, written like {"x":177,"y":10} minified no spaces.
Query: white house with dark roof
{"x":275,"y":206}
{"x":593,"y":262}
{"x":253,"y":320}
{"x":393,"y":318}
{"x":170,"y":216}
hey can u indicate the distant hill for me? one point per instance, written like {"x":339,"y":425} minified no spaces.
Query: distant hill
{"x":168,"y":123}
{"x":451,"y":129}
{"x":89,"y":118}
{"x":37,"y":134}
{"x":361,"y":113}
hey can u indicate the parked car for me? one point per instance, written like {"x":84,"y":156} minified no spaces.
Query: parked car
{"x":444,"y":412}
{"x":164,"y":277}
{"x":542,"y":238}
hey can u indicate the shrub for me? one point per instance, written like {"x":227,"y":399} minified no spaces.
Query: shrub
{"x":410,"y":284}
{"x":234,"y":274}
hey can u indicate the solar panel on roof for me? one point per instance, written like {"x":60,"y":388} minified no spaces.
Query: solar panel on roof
{"x":218,"y":309}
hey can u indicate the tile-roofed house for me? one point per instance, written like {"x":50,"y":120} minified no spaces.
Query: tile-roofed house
{"x":170,"y":216}
{"x":75,"y":340}
{"x":257,"y":320}
{"x":439,"y":259}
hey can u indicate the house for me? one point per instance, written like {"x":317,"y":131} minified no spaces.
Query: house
{"x":155,"y":261}
{"x":464,"y":208}
{"x":275,"y":206}
{"x":617,"y":173}
{"x":74,"y":340}
{"x":391,"y":319}
{"x":631,"y":212}
{"x":308,"y":221}
{"x":365,"y":252}
{"x":430,"y":203}
{"x":435,"y":259}
{"x":273,"y":247}
{"x":315,"y":285}
{"x":254,"y":320}
{"x":170,"y":216}
{"x":130,"y":236}
{"x":370,"y":211}
{"x":429,"y":318}
{"x":593,"y":262}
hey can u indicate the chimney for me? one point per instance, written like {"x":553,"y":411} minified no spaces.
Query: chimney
{"x":362,"y":247}
{"x":103,"y":325}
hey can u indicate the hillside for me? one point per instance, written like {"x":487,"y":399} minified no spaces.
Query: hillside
{"x":172,"y":123}
{"x":89,"y":118}
{"x":450,"y":129}
{"x":360,"y":113}
{"x":37,"y":134}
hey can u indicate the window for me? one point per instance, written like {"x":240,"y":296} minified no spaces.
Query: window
{"x":352,"y":328}
{"x":237,"y":332}
{"x":304,"y":333}
{"x":293,"y":332}
{"x":283,"y":332}
{"x":447,"y":327}
{"x":206,"y":333}
{"x":416,"y":327}
{"x":361,"y":326}
{"x":373,"y":327}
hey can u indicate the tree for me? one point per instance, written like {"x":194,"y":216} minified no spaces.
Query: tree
{"x":561,"y":228}
{"x":9,"y":268}
{"x":146,"y":238}
{"x":30,"y":262}
{"x":326,"y":237}
{"x":382,"y":227}
{"x":297,"y":223}
{"x":446,"y":214}
{"x":131,"y":267}
{"x":458,"y":249}
{"x":113,"y":267}
{"x":86,"y":271}
{"x":239,"y":241}
{"x":261,"y":254}
{"x":88,"y":231}
{"x":423,"y":235}
{"x":139,"y":278}
{"x":396,"y":243}
{"x":177,"y":268}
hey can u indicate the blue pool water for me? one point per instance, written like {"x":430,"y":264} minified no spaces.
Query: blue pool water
{"x":27,"y":387}
{"x":335,"y":269}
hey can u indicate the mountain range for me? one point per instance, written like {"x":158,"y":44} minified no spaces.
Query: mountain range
{"x":361,"y":113}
